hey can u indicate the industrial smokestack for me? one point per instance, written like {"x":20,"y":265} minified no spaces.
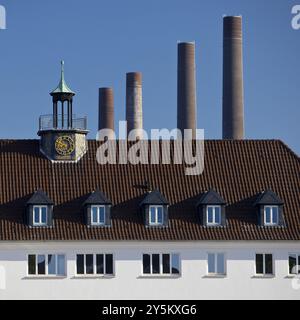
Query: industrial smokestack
{"x":134,"y":110}
{"x":233,"y":96}
{"x":186,"y":87}
{"x":106,"y":109}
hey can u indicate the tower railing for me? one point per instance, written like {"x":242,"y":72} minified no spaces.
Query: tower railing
{"x":46,"y":122}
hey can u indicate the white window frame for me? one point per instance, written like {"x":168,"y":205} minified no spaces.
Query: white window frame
{"x":95,"y":274}
{"x":297,"y":265}
{"x":264,"y":274}
{"x":214,"y":223}
{"x":156,"y":223}
{"x":271,"y":223}
{"x":46,"y":265}
{"x":216,"y":265}
{"x":98,"y":223}
{"x":40,"y":223}
{"x":161,"y":274}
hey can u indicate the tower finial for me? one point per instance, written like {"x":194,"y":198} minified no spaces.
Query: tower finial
{"x":62,"y":68}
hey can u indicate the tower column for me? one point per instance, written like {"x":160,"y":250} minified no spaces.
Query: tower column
{"x":62,"y":114}
{"x":69,"y":113}
{"x":55,"y":114}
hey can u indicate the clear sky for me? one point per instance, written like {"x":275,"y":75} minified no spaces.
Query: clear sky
{"x":102,"y":40}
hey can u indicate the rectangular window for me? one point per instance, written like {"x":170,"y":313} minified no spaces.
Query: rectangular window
{"x":50,"y":264}
{"x":264,"y":263}
{"x":294,"y":263}
{"x":94,"y":264}
{"x":161,"y":264}
{"x":216,"y":263}
{"x":271,"y":215}
{"x":213,"y":214}
{"x":146,"y":264}
{"x":156,"y":215}
{"x":89,"y":264}
{"x":98,"y":215}
{"x":40,"y":215}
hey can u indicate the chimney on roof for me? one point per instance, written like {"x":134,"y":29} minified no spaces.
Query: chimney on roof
{"x":106,"y":109}
{"x":186,"y":87}
{"x":233,"y":100}
{"x":134,"y":110}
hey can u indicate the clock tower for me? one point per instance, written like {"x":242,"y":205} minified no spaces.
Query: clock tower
{"x":63,"y":135}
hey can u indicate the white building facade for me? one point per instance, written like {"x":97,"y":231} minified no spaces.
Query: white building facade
{"x":239,"y":280}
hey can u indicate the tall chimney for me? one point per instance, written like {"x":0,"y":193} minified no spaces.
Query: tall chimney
{"x":134,"y":110}
{"x":233,"y":100}
{"x":106,"y":109}
{"x":186,"y":87}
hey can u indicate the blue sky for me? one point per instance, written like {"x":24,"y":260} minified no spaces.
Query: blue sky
{"x":102,"y":40}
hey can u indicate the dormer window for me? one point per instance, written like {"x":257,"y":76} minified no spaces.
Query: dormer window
{"x":271,"y":215}
{"x":156,"y":215}
{"x":98,"y":215}
{"x":269,"y":208}
{"x":211,"y":209}
{"x":213,"y":215}
{"x":39,"y":211}
{"x":40,"y":215}
{"x":97,"y":210}
{"x":154,"y":208}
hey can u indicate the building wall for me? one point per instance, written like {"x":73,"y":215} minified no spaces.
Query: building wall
{"x":128,"y":282}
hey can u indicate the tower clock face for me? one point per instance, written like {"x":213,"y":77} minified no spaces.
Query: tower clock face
{"x":64,"y":145}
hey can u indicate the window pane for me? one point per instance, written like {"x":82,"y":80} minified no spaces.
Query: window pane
{"x":102,"y":215}
{"x":61,"y":265}
{"x":175,"y":264}
{"x":268,"y":214}
{"x":217,"y":215}
{"x":109,"y":264}
{"x":292,"y":263}
{"x":210,"y":215}
{"x":80,"y":264}
{"x":259,"y":264}
{"x":36,"y":215}
{"x":152,"y":214}
{"x":155,"y":263}
{"x":89,"y":264}
{"x":99,"y":264}
{"x":94,"y":214}
{"x":211,"y":263}
{"x":220,"y":263}
{"x":44,"y":215}
{"x":269,"y":263}
{"x":51,"y":264}
{"x":41,"y":264}
{"x":31,"y":264}
{"x":166,"y":263}
{"x":146,"y":263}
{"x":275,"y":215}
{"x":160,"y":215}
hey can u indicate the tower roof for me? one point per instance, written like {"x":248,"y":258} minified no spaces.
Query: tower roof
{"x":62,"y":86}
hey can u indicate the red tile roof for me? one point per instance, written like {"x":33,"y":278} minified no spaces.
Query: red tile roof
{"x":237,"y":170}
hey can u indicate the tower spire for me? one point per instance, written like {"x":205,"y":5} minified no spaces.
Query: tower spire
{"x":62,"y":86}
